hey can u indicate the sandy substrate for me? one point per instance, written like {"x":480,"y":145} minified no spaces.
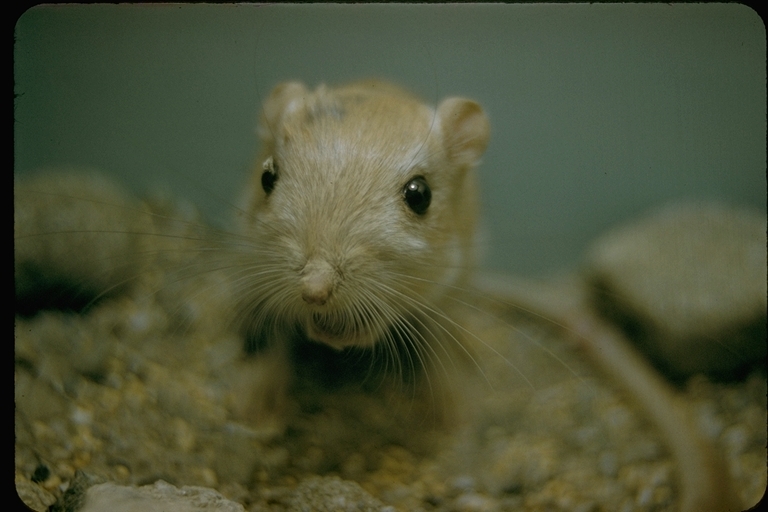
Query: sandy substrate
{"x":138,"y":390}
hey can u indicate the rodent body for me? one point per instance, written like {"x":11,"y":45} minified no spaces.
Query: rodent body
{"x":356,"y":230}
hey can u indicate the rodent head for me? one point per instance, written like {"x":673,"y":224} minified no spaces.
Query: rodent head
{"x":361,"y":210}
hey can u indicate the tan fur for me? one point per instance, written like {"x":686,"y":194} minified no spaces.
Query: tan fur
{"x":337,"y":251}
{"x":336,"y":224}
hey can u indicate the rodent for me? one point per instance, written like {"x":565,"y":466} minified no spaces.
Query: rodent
{"x":356,"y":230}
{"x":357,"y":223}
{"x":362,"y":210}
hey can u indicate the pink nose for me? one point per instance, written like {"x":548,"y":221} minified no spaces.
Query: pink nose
{"x":317,"y":297}
{"x":317,"y":282}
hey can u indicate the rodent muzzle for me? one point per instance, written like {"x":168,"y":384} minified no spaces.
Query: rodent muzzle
{"x":317,"y":282}
{"x":341,"y":329}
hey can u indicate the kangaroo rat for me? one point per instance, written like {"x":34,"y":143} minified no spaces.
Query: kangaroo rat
{"x":356,"y":231}
{"x":362,"y":211}
{"x":357,"y":223}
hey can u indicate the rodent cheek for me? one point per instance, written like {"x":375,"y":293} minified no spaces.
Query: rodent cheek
{"x":404,"y":239}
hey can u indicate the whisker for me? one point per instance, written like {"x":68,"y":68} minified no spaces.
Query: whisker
{"x":422,"y":307}
{"x":496,"y":317}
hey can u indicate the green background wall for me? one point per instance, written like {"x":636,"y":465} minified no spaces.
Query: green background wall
{"x":598,"y":111}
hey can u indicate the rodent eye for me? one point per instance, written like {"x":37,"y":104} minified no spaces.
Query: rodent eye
{"x":417,"y":195}
{"x":269,"y":176}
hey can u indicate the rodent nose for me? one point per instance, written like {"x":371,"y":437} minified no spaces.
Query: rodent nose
{"x":317,"y":282}
{"x":316,"y":297}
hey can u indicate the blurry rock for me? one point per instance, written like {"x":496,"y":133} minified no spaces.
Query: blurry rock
{"x":332,"y":494}
{"x":158,"y":497}
{"x":688,"y":284}
{"x":33,"y":496}
{"x":76,"y":235}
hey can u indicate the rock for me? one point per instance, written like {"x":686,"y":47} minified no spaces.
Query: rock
{"x":688,"y":283}
{"x":332,"y":494}
{"x":33,"y":496}
{"x":76,"y":236}
{"x":158,"y":497}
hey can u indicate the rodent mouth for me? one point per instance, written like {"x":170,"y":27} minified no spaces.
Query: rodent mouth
{"x":338,"y":330}
{"x":332,"y":325}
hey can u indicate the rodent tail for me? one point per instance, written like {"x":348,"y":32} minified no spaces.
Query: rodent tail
{"x":704,"y":480}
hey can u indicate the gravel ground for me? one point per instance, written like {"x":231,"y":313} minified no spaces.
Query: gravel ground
{"x":130,"y":394}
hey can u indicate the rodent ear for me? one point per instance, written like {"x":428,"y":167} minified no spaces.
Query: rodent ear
{"x":466,"y":129}
{"x":281,"y":99}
